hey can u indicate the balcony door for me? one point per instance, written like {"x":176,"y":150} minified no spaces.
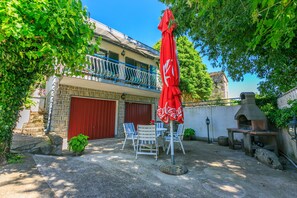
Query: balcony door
{"x":136,"y":72}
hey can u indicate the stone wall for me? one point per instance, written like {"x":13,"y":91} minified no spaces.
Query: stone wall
{"x":282,"y":101}
{"x":61,"y":107}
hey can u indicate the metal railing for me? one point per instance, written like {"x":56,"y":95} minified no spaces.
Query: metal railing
{"x":116,"y":71}
{"x":217,"y":102}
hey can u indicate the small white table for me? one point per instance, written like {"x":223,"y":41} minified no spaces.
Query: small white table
{"x":160,"y":133}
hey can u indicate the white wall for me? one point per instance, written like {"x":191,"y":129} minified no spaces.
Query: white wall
{"x":49,"y":84}
{"x":38,"y":107}
{"x":221,"y":118}
{"x":24,"y":117}
{"x":285,"y":142}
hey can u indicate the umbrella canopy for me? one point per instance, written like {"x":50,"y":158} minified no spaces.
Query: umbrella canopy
{"x":170,"y":107}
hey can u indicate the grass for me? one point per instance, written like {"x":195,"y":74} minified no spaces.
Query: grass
{"x":15,"y":158}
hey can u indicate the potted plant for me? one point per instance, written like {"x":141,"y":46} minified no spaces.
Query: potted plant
{"x":189,"y":134}
{"x":77,"y":144}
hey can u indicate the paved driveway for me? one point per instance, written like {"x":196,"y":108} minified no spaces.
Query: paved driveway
{"x":106,"y":171}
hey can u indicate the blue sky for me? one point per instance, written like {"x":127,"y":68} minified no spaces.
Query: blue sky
{"x":139,"y":20}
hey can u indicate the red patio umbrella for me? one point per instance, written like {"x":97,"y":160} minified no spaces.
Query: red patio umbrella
{"x":170,"y":107}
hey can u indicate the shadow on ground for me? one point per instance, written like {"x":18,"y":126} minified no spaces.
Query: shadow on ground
{"x":23,"y":180}
{"x":104,"y":170}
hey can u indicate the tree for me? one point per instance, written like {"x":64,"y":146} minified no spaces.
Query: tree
{"x":195,"y":82}
{"x":257,"y":37}
{"x":37,"y":38}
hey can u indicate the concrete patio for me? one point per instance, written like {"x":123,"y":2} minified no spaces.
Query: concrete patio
{"x":107,"y":171}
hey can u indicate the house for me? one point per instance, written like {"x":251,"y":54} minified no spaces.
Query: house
{"x":120,"y":85}
{"x":220,"y":85}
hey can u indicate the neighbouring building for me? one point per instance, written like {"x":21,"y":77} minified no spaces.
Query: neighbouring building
{"x":220,"y":85}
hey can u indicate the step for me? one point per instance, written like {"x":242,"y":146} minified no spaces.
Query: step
{"x":34,"y":116}
{"x":35,"y":119}
{"x":33,"y":125}
{"x":33,"y":129}
{"x":34,"y":134}
{"x":17,"y":130}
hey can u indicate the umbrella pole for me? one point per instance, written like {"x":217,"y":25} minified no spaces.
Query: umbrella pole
{"x":171,"y":143}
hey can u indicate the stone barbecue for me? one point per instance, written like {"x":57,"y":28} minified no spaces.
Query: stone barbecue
{"x":252,"y":123}
{"x":249,"y":116}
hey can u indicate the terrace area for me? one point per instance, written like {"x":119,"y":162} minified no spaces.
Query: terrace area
{"x":104,"y":170}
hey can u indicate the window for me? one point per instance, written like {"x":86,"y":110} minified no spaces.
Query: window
{"x":130,"y":61}
{"x":142,"y":65}
{"x":113,"y":57}
{"x":102,"y":53}
{"x":139,"y":65}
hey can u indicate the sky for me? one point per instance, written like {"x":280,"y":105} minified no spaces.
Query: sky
{"x":139,"y":20}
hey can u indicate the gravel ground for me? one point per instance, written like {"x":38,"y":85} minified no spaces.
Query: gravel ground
{"x":104,"y":170}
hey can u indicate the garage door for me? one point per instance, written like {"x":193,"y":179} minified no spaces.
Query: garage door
{"x":138,"y":113}
{"x":91,"y":117}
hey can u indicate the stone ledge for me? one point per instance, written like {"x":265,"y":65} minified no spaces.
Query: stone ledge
{"x":174,"y":169}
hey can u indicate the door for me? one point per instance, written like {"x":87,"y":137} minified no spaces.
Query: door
{"x":138,"y":113}
{"x":91,"y":117}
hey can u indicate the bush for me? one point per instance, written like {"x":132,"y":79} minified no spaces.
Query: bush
{"x":77,"y":144}
{"x":189,"y":132}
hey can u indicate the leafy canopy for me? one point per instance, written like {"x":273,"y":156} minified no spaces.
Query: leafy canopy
{"x":41,"y":34}
{"x":257,"y":37}
{"x":195,"y":82}
{"x":37,"y":38}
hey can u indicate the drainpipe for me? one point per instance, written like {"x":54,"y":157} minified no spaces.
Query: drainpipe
{"x":51,"y":104}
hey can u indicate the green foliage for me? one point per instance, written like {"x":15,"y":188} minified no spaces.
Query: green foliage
{"x":28,"y":103}
{"x":195,"y":82}
{"x":39,"y":83}
{"x":77,"y":144}
{"x":189,"y":132}
{"x":277,"y":117}
{"x":38,"y":38}
{"x":13,"y":158}
{"x":257,"y":37}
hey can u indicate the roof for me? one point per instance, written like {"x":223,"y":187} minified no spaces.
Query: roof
{"x":113,"y":36}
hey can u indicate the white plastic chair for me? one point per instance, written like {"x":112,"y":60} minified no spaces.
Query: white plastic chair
{"x":159,"y":124}
{"x":147,"y":143}
{"x":177,"y":137}
{"x":130,"y":133}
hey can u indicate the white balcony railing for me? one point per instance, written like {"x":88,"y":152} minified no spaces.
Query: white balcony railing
{"x":100,"y":68}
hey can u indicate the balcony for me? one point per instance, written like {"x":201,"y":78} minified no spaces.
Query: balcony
{"x":117,"y":77}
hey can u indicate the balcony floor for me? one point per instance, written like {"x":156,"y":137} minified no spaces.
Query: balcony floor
{"x":111,"y":86}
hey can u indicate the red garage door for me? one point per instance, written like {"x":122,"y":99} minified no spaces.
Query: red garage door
{"x":138,"y":113}
{"x":94,"y":118}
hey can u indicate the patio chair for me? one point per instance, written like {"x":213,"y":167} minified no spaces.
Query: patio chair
{"x":177,"y":137}
{"x":159,"y":124}
{"x":147,"y":143}
{"x":130,"y":134}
